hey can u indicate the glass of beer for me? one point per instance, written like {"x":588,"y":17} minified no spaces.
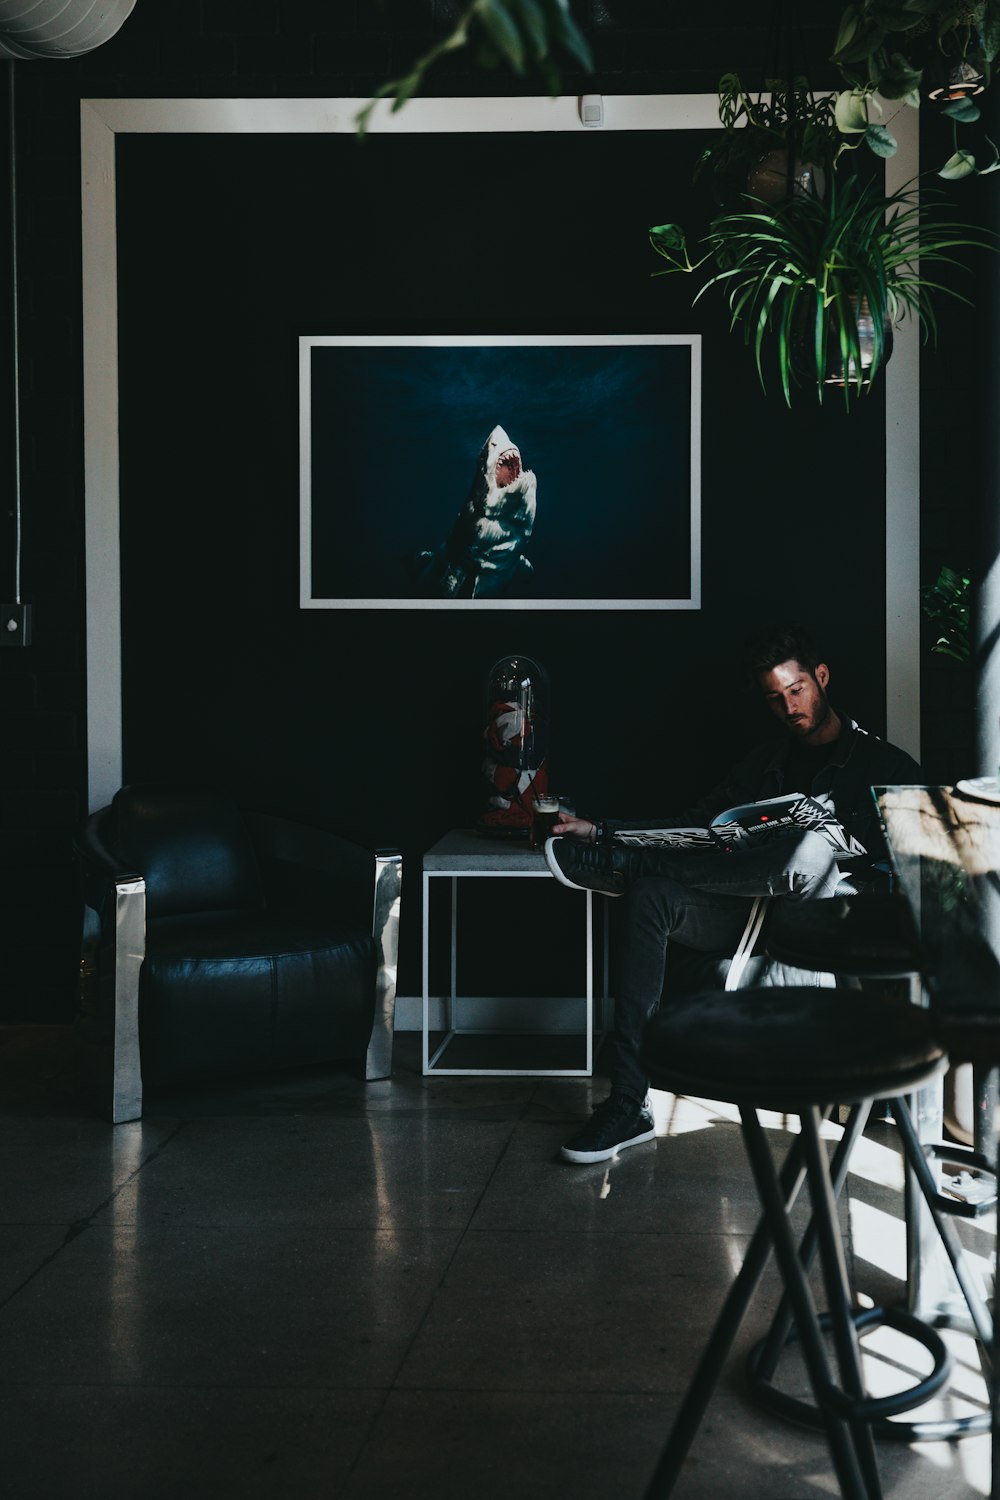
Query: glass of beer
{"x":544,"y":815}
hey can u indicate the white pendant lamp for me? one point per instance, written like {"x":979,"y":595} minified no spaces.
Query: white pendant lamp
{"x":58,"y":28}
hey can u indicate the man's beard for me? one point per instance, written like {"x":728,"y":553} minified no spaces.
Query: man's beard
{"x":822,"y":716}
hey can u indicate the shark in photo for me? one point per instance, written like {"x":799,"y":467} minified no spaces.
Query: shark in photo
{"x":483,"y":552}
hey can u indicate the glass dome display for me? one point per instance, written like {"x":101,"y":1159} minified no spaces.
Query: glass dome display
{"x":516,"y":762}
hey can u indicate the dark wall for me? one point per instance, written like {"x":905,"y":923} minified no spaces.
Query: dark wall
{"x":230,"y":250}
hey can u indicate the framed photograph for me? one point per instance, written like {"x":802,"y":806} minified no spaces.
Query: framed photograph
{"x":536,"y":472}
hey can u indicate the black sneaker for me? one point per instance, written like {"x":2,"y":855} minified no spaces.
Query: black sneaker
{"x":584,"y":867}
{"x":615,"y":1124}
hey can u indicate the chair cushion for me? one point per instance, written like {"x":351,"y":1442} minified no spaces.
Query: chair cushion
{"x":787,"y":1047}
{"x":192,"y":848}
{"x":869,"y":935}
{"x":227,"y":993}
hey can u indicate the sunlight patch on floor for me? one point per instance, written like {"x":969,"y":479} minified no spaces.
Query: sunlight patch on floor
{"x":677,"y":1114}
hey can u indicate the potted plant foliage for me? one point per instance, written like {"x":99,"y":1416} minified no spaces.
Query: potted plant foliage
{"x":825,"y":271}
{"x":946,"y":602}
{"x":806,"y":248}
{"x":903,"y":49}
{"x":783,"y":139}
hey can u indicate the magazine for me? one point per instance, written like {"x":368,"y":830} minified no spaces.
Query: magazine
{"x":750,"y":822}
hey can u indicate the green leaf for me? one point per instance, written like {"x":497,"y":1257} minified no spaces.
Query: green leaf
{"x":962,"y":164}
{"x":851,"y":111}
{"x":502,"y":32}
{"x":962,"y":110}
{"x":576,"y":44}
{"x":848,"y":28}
{"x":881,"y":141}
{"x":989,"y":29}
{"x":535,"y":28}
{"x":405,"y":89}
{"x":899,"y":78}
{"x":994,"y":164}
{"x":867,"y":39}
{"x":950,"y":18}
{"x":897,"y":17}
{"x":670,"y":241}
{"x":563,"y":29}
{"x":668,"y":236}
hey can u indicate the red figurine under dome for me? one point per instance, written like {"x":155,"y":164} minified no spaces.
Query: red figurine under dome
{"x":516,"y":765}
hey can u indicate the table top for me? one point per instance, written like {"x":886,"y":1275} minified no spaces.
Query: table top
{"x":945,"y":849}
{"x":462,"y":849}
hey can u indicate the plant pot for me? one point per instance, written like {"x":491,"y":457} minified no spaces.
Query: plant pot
{"x":803,"y":348}
{"x":865,"y":323}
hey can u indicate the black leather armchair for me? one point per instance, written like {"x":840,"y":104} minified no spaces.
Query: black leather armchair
{"x":218,"y":942}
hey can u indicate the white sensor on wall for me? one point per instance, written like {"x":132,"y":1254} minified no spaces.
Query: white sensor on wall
{"x":591,"y":109}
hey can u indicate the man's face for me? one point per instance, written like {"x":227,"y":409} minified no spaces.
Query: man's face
{"x":798,"y":698}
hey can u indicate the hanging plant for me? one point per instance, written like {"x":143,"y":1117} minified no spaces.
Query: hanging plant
{"x":905,"y":49}
{"x":772,"y":140}
{"x":824,"y":273}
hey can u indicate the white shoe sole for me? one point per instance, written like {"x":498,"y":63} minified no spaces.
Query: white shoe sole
{"x":568,"y":1154}
{"x":554,"y":867}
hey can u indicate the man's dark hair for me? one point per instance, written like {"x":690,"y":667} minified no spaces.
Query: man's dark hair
{"x":778,"y":643}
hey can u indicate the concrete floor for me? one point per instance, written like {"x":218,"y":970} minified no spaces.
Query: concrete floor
{"x":316,"y":1289}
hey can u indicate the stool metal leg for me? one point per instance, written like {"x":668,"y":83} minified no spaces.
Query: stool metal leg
{"x":917,"y":1163}
{"x":766,"y":1363}
{"x":839,"y":1435}
{"x":706,"y":1376}
{"x":845,"y":1335}
{"x":764,"y":1359}
{"x":929,"y":1288}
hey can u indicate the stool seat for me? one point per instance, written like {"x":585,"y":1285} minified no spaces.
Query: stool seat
{"x":790,"y":1047}
{"x":870,"y":936}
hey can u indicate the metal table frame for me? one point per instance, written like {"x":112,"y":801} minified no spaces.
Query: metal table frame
{"x":461,"y":855}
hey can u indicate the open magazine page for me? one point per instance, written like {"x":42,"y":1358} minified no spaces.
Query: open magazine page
{"x":668,"y":838}
{"x":751,"y":822}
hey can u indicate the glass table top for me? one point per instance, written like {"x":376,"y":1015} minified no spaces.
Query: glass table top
{"x":945,"y":849}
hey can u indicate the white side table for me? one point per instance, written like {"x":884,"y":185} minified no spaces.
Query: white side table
{"x":462,"y":855}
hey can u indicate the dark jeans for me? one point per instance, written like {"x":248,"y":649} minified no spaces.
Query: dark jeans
{"x":701,"y":899}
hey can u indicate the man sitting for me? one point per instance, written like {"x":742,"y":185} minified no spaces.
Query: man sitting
{"x":702,"y":898}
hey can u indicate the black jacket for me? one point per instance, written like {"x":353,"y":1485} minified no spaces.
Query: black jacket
{"x":858,"y":761}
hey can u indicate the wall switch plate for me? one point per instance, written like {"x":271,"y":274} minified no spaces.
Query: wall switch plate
{"x":592,"y":110}
{"x":15,"y":625}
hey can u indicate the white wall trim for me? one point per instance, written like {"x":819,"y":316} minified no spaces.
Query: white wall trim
{"x":102,"y":119}
{"x":102,"y":555}
{"x":421,"y":116}
{"x":902,"y":485}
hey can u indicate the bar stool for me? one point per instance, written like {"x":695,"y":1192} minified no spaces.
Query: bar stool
{"x":798,"y":1050}
{"x":865,"y":940}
